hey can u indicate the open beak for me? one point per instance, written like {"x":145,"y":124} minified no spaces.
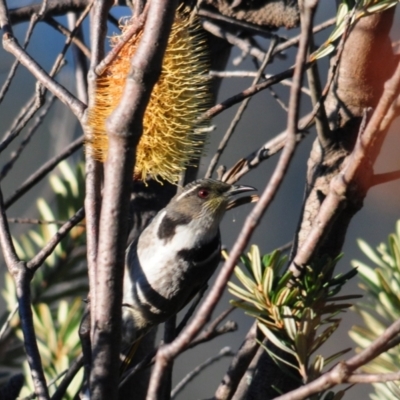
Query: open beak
{"x":237,"y":189}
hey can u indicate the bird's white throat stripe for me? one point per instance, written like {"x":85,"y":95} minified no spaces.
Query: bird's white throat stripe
{"x":186,"y":192}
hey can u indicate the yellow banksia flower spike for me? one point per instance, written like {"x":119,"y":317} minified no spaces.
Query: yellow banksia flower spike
{"x":173,"y":133}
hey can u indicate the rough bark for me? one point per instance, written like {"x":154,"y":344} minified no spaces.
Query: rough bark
{"x":358,"y":86}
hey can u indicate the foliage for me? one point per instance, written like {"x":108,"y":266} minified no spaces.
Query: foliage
{"x":297,"y":315}
{"x":61,"y":277}
{"x":381,"y":307}
{"x":59,"y":344}
{"x":349,"y":12}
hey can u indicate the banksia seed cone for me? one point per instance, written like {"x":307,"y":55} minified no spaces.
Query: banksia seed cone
{"x":173,"y":134}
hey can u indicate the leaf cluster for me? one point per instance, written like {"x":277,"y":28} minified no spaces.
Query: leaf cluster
{"x":381,"y":307}
{"x":58,"y":286}
{"x":349,"y":12}
{"x":297,"y":315}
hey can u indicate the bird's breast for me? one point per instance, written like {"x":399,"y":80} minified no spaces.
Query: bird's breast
{"x":166,"y":271}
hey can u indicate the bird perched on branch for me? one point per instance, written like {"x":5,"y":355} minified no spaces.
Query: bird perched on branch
{"x":176,"y":254}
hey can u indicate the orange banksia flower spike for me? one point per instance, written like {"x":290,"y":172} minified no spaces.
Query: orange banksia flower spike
{"x":173,"y":133}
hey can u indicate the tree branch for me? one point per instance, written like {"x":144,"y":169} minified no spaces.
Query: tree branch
{"x":47,"y":250}
{"x":22,"y":277}
{"x":224,"y":352}
{"x":343,"y":371}
{"x":378,"y":179}
{"x":238,"y":114}
{"x":11,"y":45}
{"x":168,"y":352}
{"x":238,"y":366}
{"x":356,"y":173}
{"x":54,"y":8}
{"x":124,"y":128}
{"x":43,"y":171}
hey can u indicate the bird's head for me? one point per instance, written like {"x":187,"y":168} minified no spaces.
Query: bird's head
{"x":208,"y":198}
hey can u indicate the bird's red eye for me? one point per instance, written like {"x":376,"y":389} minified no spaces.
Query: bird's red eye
{"x":203,"y":193}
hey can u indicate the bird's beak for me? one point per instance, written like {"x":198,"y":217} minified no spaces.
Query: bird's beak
{"x":237,"y":189}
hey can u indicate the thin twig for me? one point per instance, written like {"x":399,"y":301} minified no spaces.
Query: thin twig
{"x":69,"y":376}
{"x":374,"y":378}
{"x":208,"y":335}
{"x":33,"y":128}
{"x":211,"y":332}
{"x":54,"y":8}
{"x":70,"y":38}
{"x":343,"y":371}
{"x":272,"y":147}
{"x":378,"y":179}
{"x":22,"y":119}
{"x":32,"y":396}
{"x":278,"y":99}
{"x":255,"y":29}
{"x":234,"y":40}
{"x":66,"y":32}
{"x":314,"y":82}
{"x":239,"y":113}
{"x":168,"y":352}
{"x":238,"y":366}
{"x":224,"y":352}
{"x":319,"y":112}
{"x":251,"y":91}
{"x":81,"y":63}
{"x":43,"y":171}
{"x":32,"y":23}
{"x":22,"y":277}
{"x":295,"y":40}
{"x":253,"y":51}
{"x":35,"y":221}
{"x":11,"y":45}
{"x":135,"y":27}
{"x":212,"y":328}
{"x":252,"y":74}
{"x":8,"y":320}
{"x":195,"y":302}
{"x":47,"y":250}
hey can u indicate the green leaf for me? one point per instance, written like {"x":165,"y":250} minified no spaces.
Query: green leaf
{"x":267,"y":281}
{"x":70,"y":177}
{"x":281,"y":361}
{"x":245,"y":280}
{"x":318,"y":365}
{"x":289,"y":322}
{"x":256,"y":263}
{"x":370,"y":253}
{"x":335,"y":356}
{"x":301,"y":348}
{"x":282,"y":296}
{"x":278,"y":343}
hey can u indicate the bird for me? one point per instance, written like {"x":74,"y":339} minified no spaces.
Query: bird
{"x":176,"y":254}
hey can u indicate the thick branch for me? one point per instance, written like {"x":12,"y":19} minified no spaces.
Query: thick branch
{"x":358,"y":85}
{"x":356,"y":175}
{"x":124,"y":129}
